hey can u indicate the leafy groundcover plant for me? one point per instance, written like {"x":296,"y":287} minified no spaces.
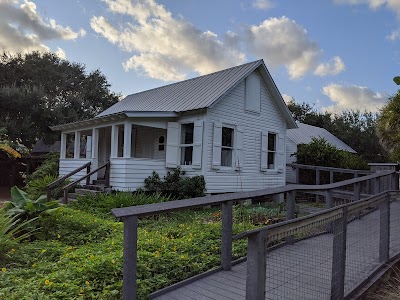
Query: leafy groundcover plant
{"x":80,"y":255}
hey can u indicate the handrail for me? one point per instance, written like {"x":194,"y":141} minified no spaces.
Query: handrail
{"x":323,"y":168}
{"x":65,"y":177}
{"x":87,"y":176}
{"x":156,"y":208}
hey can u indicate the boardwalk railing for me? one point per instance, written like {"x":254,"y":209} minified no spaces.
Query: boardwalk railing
{"x":319,"y":170}
{"x":339,"y":217}
{"x":130,"y":215}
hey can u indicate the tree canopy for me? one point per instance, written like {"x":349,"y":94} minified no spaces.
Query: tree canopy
{"x":357,"y":129}
{"x":39,"y":90}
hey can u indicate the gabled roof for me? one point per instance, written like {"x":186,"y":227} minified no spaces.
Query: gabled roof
{"x":197,"y":93}
{"x":304,"y":133}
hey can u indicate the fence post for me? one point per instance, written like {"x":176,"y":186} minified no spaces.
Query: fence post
{"x":395,"y":181}
{"x":339,"y":256}
{"x":256,"y":266}
{"x":297,"y":174}
{"x":290,"y":210}
{"x":376,"y":185}
{"x":384,"y":235}
{"x":129,"y":285}
{"x":317,"y":176}
{"x":330,"y":176}
{"x":357,"y":189}
{"x":65,"y":198}
{"x":226,"y":247}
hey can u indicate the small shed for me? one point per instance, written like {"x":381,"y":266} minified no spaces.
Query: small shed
{"x":303,"y":135}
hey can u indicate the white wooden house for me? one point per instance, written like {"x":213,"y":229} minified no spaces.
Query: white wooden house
{"x":229,"y":126}
{"x":303,"y":134}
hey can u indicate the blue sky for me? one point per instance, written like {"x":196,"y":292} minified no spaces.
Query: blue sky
{"x":336,"y":54}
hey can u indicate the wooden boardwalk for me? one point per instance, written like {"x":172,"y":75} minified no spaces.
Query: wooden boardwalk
{"x":302,"y":270}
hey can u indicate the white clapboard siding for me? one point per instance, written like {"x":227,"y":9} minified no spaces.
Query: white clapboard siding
{"x":291,"y":148}
{"x":128,"y":174}
{"x":68,"y":165}
{"x":231,"y":110}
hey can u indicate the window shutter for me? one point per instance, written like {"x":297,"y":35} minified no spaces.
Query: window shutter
{"x":281,"y":151}
{"x":197,"y":144}
{"x":217,"y":140}
{"x":239,"y":148}
{"x":171,"y":160}
{"x":264,"y":150}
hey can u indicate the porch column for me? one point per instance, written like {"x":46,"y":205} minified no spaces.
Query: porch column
{"x":114,"y":141}
{"x":127,"y":139}
{"x":63,"y":149}
{"x":95,"y":143}
{"x":77,"y":145}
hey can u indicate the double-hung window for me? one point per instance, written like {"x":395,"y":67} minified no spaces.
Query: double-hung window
{"x":227,"y":147}
{"x":271,"y":159}
{"x":186,"y":145}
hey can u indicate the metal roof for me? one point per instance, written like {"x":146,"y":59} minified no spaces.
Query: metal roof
{"x":304,"y":133}
{"x":197,"y":93}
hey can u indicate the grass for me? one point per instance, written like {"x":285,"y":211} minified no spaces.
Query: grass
{"x":79,"y":255}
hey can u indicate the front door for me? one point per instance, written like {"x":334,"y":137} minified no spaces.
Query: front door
{"x":104,"y":149}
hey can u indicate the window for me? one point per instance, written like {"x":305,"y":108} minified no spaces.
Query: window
{"x":227,"y":147}
{"x":253,"y":93}
{"x":187,"y":143}
{"x":161,"y":143}
{"x":271,"y":160}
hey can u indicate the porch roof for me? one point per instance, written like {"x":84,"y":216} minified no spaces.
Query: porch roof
{"x":112,"y":118}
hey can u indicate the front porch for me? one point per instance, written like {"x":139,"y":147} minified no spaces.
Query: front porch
{"x":133,"y":150}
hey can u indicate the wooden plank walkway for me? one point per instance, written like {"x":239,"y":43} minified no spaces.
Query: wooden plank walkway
{"x":302,"y":270}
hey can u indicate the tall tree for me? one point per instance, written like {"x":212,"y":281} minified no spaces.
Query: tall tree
{"x":39,"y":90}
{"x":388,"y":125}
{"x":355,"y":128}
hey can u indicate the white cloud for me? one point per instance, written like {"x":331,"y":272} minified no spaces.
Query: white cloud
{"x":287,"y":98}
{"x":394,"y":35}
{"x":61,"y":53}
{"x":23,"y":29}
{"x":262,"y":4}
{"x":347,"y":97}
{"x":281,"y":41}
{"x":332,"y":67}
{"x":374,"y":4}
{"x":164,"y":47}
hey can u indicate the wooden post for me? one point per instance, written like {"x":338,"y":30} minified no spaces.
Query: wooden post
{"x":330,"y":176}
{"x":376,"y":185}
{"x":339,"y":257}
{"x":129,"y":284}
{"x":395,"y":181}
{"x":317,"y":176}
{"x":65,"y":198}
{"x":114,"y":141}
{"x":87,"y":172}
{"x":127,"y":139}
{"x":297,"y":175}
{"x":226,"y":247}
{"x":77,"y":145}
{"x":290,"y":210}
{"x":63,"y":146}
{"x":328,"y":204}
{"x":256,"y":266}
{"x":384,"y":236}
{"x":357,"y":189}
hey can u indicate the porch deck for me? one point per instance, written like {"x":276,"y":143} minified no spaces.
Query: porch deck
{"x":301,"y":270}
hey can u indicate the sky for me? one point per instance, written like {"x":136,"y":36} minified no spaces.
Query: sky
{"x":333,"y":54}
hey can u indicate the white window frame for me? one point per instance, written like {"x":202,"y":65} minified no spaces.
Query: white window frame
{"x":275,"y":163}
{"x":233,"y":147}
{"x":181,"y":146}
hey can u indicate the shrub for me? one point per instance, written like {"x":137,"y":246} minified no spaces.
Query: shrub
{"x":49,"y":167}
{"x":175,"y":185}
{"x":101,"y":204}
{"x":37,"y":187}
{"x":24,"y":208}
{"x":10,"y":232}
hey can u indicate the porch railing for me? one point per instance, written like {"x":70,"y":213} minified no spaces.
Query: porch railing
{"x":130,"y":215}
{"x":87,"y":177}
{"x":60,"y":180}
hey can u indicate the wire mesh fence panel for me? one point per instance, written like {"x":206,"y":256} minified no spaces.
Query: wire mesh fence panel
{"x":362,"y":246}
{"x":394,"y":247}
